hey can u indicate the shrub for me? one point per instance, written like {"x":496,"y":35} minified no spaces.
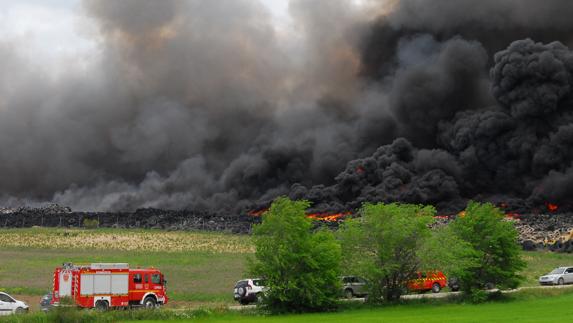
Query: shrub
{"x":383,"y":246}
{"x":91,"y":223}
{"x":496,"y":256}
{"x":301,"y":267}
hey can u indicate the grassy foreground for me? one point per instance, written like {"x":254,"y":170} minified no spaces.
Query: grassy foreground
{"x":534,"y":309}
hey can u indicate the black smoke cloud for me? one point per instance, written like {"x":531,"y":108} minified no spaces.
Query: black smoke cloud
{"x":207,"y":105}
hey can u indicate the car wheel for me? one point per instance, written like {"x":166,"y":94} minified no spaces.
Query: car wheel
{"x":149,"y":302}
{"x":242,"y":291}
{"x":102,"y":306}
{"x":348,"y":293}
{"x":258,"y":298}
{"x":436,"y":288}
{"x":20,"y":310}
{"x":560,"y":281}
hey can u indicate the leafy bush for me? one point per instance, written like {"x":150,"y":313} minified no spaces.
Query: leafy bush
{"x":301,"y":267}
{"x":383,"y":246}
{"x":91,"y":223}
{"x":496,"y":256}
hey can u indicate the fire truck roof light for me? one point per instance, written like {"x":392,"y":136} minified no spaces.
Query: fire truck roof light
{"x":109,"y":266}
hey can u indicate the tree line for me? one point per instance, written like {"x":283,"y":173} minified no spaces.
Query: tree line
{"x":387,"y":245}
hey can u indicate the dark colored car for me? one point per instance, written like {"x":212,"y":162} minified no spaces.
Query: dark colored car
{"x":454,"y":284}
{"x":46,"y":302}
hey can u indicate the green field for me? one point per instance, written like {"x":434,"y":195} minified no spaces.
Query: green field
{"x":201,"y":268}
{"x":539,"y":309}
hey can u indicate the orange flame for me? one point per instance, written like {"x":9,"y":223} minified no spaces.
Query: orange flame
{"x":514,"y":216}
{"x":258,"y":212}
{"x":552,"y":207}
{"x":326,"y":217}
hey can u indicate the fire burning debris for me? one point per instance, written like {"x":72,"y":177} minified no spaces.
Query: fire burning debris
{"x":432,"y":102}
{"x":325,"y":217}
{"x":552,"y":207}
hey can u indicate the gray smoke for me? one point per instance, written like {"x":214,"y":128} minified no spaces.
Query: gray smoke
{"x":206,"y":105}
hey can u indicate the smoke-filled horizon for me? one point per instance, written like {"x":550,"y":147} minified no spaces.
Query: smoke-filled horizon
{"x":209,"y":105}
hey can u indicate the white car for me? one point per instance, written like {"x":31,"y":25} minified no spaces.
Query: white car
{"x":559,"y":276}
{"x":249,"y":290}
{"x":10,"y":305}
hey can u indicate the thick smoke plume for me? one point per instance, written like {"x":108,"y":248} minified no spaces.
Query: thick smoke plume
{"x":209,"y":105}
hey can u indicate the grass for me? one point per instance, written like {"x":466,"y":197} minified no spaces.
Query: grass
{"x":525,"y":306}
{"x":537,"y":309}
{"x":200,"y":267}
{"x":126,"y":240}
{"x":203,"y":268}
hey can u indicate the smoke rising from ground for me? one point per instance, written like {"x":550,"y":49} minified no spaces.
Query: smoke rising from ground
{"x":207,"y":105}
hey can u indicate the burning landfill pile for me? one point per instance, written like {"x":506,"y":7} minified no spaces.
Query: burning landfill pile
{"x":211,"y":110}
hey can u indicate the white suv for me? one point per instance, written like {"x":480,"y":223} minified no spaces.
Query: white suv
{"x":9,"y":305}
{"x":249,"y":290}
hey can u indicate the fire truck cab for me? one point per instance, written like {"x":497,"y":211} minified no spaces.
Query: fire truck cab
{"x":105,"y":285}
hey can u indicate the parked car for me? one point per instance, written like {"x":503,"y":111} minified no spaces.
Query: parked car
{"x":10,"y":305}
{"x":426,"y":281}
{"x":454,"y":284}
{"x":46,"y":302}
{"x":249,"y":290}
{"x":558,"y":276}
{"x":353,"y":286}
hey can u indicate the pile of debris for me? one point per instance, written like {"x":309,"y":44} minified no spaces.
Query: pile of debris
{"x":536,"y":231}
{"x":546,"y":231}
{"x":57,"y":216}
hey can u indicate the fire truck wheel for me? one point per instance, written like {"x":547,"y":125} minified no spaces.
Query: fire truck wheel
{"x":102,"y":306}
{"x":149,"y":302}
{"x":436,"y":288}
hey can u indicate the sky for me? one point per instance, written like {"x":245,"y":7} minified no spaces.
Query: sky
{"x":57,"y":30}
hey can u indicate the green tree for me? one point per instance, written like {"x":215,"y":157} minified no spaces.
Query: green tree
{"x":383,"y":246}
{"x":496,"y":257}
{"x":447,"y":252}
{"x":301,"y":266}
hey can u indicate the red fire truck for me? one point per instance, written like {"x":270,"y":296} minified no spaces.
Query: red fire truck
{"x":105,"y":285}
